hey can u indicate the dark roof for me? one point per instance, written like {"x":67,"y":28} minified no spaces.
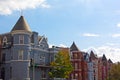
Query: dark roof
{"x":110,"y":61}
{"x":8,"y":36}
{"x":21,"y":24}
{"x":74,"y":47}
{"x":92,"y":55}
{"x":104,"y":58}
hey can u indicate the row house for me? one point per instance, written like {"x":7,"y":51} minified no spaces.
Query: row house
{"x":77,"y":61}
{"x":101,"y":66}
{"x":88,"y":66}
{"x":94,"y":60}
{"x":83,"y":67}
{"x":104,"y":67}
{"x":25,"y":55}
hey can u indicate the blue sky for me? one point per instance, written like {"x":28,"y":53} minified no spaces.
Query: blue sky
{"x":91,"y":24}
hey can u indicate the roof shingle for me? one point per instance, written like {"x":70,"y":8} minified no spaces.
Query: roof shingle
{"x":21,"y":24}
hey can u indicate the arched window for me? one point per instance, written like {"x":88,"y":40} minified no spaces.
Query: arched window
{"x":4,"y":41}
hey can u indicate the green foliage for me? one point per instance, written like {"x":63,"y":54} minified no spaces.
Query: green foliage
{"x":61,"y":67}
{"x":115,"y":72}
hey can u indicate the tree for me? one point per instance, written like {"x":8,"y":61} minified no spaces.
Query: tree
{"x":61,"y":66}
{"x":115,"y":72}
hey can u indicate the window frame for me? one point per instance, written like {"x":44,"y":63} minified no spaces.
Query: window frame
{"x":21,"y":39}
{"x":20,"y":54}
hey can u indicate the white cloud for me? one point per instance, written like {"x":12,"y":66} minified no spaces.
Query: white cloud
{"x":116,"y":35}
{"x":118,"y":25}
{"x":50,"y":45}
{"x":60,"y":45}
{"x":112,"y":44}
{"x":90,"y":35}
{"x":111,"y":52}
{"x":8,"y":6}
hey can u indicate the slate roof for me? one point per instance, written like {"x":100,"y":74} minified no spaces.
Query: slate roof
{"x":21,"y":24}
{"x":104,"y":58}
{"x":74,"y":47}
{"x":109,"y":61}
{"x":8,"y":36}
{"x":92,"y":55}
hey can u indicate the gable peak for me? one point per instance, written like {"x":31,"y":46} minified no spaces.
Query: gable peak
{"x":74,"y":47}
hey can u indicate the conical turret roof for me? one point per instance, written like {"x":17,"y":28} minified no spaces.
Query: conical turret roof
{"x":21,"y":24}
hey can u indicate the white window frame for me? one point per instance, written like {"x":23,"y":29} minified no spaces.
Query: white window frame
{"x":4,"y":41}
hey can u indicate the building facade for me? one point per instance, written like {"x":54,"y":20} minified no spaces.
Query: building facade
{"x":24,"y":55}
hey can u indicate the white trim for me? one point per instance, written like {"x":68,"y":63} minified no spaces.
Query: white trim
{"x":17,"y":61}
{"x":21,"y":44}
{"x":44,"y":50}
{"x":21,"y":32}
{"x":20,"y":60}
{"x":4,"y":39}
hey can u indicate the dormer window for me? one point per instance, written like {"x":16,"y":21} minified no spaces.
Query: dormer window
{"x":21,"y":39}
{"x":4,"y":41}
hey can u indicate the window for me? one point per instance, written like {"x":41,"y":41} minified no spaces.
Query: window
{"x":3,"y":57}
{"x":20,"y":54}
{"x":75,"y":56}
{"x":42,"y":59}
{"x":3,"y":73}
{"x":4,"y":41}
{"x":76,"y":75}
{"x":10,"y":72}
{"x":21,"y":39}
{"x":72,"y":77}
{"x":76,"y":66}
{"x":43,"y":73}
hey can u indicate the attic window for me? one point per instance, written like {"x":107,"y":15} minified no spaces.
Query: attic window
{"x":5,"y":39}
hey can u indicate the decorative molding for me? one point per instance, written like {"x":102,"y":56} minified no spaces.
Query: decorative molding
{"x":21,"y":32}
{"x":17,"y":61}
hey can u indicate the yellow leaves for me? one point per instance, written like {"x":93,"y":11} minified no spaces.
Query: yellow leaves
{"x":53,"y":64}
{"x":115,"y":72}
{"x":62,"y":66}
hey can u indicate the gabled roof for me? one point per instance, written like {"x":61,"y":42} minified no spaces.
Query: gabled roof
{"x":109,"y":61}
{"x":74,"y":47}
{"x":104,"y":58}
{"x":21,"y":24}
{"x":92,"y":55}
